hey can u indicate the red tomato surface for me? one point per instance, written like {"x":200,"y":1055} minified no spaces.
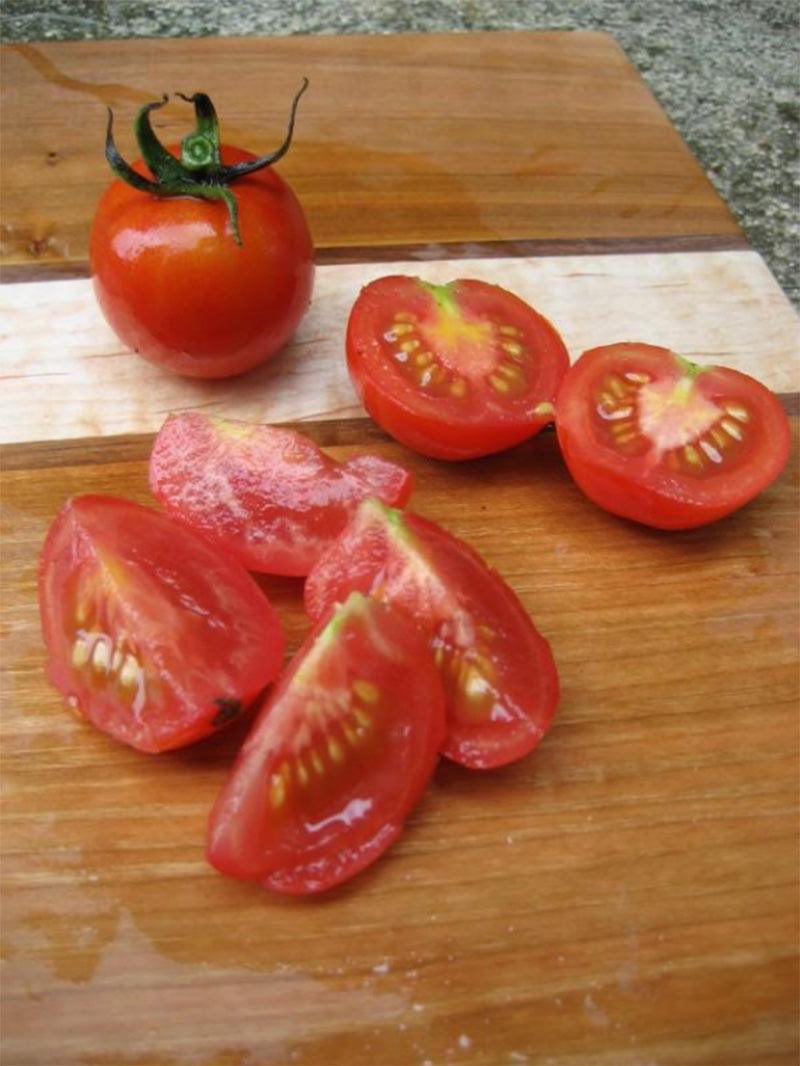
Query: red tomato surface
{"x":266,"y":494}
{"x":499,"y":675}
{"x":338,"y":756}
{"x":152,"y":635}
{"x":649,"y":436}
{"x":453,"y":371}
{"x":177,"y":288}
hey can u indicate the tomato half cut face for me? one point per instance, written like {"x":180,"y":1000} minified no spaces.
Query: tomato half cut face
{"x":268,"y":495}
{"x":498,"y":672}
{"x":337,"y":757}
{"x":652,"y":437}
{"x":152,"y":635}
{"x":453,"y":371}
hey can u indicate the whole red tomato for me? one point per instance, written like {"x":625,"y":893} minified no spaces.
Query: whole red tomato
{"x":201,"y":256}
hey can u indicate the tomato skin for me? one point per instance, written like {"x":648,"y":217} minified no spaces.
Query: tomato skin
{"x":501,"y":682}
{"x":151,"y":635}
{"x":461,"y":325}
{"x":338,"y":756}
{"x":175,"y":287}
{"x":733,"y":457}
{"x":265,"y":493}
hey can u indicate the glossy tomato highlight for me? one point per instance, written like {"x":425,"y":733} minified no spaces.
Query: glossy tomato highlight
{"x":266,"y":494}
{"x":202,"y":259}
{"x":453,"y":371}
{"x":337,"y":758}
{"x":649,"y":436}
{"x":152,"y":635}
{"x":498,"y":671}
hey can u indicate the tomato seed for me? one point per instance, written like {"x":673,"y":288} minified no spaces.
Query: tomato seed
{"x":711,"y":451}
{"x":731,"y":429}
{"x":498,"y":383}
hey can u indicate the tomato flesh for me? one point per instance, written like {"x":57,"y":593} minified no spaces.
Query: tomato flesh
{"x":152,"y":635}
{"x":651,"y":437}
{"x":453,"y":371}
{"x":268,"y":495}
{"x":337,"y":758}
{"x":498,"y":672}
{"x":176,"y":287}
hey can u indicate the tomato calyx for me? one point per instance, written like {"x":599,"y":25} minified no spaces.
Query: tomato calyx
{"x":199,"y":172}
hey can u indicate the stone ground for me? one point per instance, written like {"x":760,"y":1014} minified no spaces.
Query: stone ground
{"x":727,"y":72}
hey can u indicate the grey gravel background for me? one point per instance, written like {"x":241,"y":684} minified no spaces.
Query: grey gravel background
{"x":727,"y":72}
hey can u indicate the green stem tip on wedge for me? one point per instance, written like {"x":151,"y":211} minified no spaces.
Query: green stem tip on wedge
{"x":199,"y":172}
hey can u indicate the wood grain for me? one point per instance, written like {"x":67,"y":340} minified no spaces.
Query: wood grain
{"x":64,"y":373}
{"x":407,"y":139}
{"x":625,"y":895}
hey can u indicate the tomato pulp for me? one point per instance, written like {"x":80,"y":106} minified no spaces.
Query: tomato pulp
{"x":453,"y":371}
{"x":152,"y":635}
{"x":649,"y":436}
{"x":337,"y":757}
{"x":268,"y":495}
{"x":176,"y":287}
{"x":498,"y":672}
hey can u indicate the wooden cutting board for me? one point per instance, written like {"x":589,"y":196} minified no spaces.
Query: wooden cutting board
{"x":628,"y":894}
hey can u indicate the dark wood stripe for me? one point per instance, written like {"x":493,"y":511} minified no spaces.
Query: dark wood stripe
{"x":52,"y":270}
{"x":135,"y":447}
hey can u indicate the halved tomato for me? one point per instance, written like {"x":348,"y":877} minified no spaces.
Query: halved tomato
{"x":499,"y":675}
{"x":650,"y":436}
{"x":453,"y":371}
{"x":152,"y":635}
{"x":268,"y":495}
{"x":338,"y":756}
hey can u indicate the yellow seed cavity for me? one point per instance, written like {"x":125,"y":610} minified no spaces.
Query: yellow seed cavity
{"x":366,"y":691}
{"x":405,"y":316}
{"x":719,"y":437}
{"x":620,"y":429}
{"x":362,"y":717}
{"x":130,"y":672}
{"x":692,"y":455}
{"x":409,"y":346}
{"x":731,"y":429}
{"x":626,"y":438}
{"x":738,"y":412}
{"x":617,"y":387}
{"x":458,"y":387}
{"x":422,"y":358}
{"x":335,"y":750}
{"x":484,"y":663}
{"x":81,"y":612}
{"x":101,"y":655}
{"x":401,"y":328}
{"x":510,"y":331}
{"x":351,"y":735}
{"x":511,"y":347}
{"x":498,"y":383}
{"x":80,"y":653}
{"x":302,"y":772}
{"x":277,"y":790}
{"x":438,"y":655}
{"x":474,"y":683}
{"x":508,"y":370}
{"x":486,"y":631}
{"x":317,"y":763}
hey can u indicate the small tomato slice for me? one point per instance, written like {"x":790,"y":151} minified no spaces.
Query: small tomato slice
{"x":152,"y":635}
{"x":499,"y":675}
{"x":652,"y":437}
{"x":453,"y":371}
{"x":268,"y":495}
{"x":337,"y":757}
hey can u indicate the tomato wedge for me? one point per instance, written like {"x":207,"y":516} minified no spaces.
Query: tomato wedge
{"x":337,"y":758}
{"x":268,"y":495}
{"x":453,"y":371}
{"x":652,"y":437}
{"x":499,"y":675}
{"x":152,"y":635}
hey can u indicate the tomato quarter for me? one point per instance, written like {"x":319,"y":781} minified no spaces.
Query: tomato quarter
{"x":498,"y":672}
{"x":453,"y":371}
{"x":267,"y":494}
{"x":170,"y":275}
{"x":152,"y":635}
{"x":652,"y":437}
{"x":337,"y":757}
